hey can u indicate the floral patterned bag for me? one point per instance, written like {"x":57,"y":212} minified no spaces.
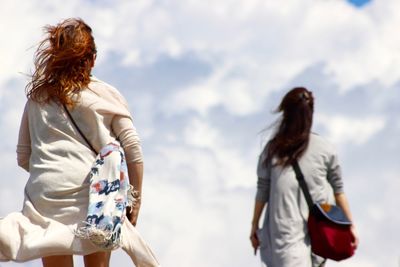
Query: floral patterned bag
{"x":109,"y":195}
{"x":109,"y":185}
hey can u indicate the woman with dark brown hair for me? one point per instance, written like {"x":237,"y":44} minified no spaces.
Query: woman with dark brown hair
{"x":283,"y":239}
{"x":68,"y":117}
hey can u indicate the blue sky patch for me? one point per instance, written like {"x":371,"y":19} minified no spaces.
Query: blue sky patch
{"x":359,"y":3}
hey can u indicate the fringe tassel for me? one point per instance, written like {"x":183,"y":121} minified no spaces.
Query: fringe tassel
{"x":133,"y":197}
{"x":104,"y":239}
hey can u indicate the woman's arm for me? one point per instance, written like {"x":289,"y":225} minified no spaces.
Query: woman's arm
{"x":334,"y":176}
{"x":126,"y":133}
{"x":24,"y":142}
{"x":341,"y":201}
{"x":135,"y":172}
{"x":262,"y":196}
{"x":258,"y":208}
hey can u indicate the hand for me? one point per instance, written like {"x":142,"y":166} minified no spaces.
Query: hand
{"x":355,"y":236}
{"x":254,"y":238}
{"x":132,"y":213}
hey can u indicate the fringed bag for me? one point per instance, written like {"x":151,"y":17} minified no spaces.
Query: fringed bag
{"x":109,"y":195}
{"x":108,"y":191}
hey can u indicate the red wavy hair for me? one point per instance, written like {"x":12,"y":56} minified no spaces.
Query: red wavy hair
{"x":63,"y":62}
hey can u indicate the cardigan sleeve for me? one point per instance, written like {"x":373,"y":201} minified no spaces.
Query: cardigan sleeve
{"x":24,"y":142}
{"x":112,"y":104}
{"x":263,"y":181}
{"x":127,"y":135}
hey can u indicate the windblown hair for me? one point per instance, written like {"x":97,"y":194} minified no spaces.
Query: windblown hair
{"x":63,"y":62}
{"x":293,"y":131}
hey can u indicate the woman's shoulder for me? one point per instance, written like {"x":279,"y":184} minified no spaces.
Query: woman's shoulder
{"x":100,"y":86}
{"x":320,"y":142}
{"x":106,"y":91}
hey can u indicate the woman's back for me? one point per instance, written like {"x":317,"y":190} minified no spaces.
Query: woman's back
{"x":283,"y":239}
{"x":60,"y":159}
{"x":57,"y":218}
{"x":287,"y":209}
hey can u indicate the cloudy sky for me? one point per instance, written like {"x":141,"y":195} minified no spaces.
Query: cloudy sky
{"x":202,"y":78}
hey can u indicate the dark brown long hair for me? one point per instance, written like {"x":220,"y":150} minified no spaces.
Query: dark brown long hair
{"x":293,"y":131}
{"x":63,"y":62}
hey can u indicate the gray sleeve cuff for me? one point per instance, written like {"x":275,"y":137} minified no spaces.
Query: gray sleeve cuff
{"x":263,"y":182}
{"x":262,"y":196}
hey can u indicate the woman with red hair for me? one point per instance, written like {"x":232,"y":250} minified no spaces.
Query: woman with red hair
{"x":283,"y":239}
{"x":58,"y":153}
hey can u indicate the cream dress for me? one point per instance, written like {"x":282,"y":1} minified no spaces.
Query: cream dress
{"x":58,"y":161}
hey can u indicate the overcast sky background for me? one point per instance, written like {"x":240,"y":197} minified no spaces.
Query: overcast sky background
{"x":202,"y":78}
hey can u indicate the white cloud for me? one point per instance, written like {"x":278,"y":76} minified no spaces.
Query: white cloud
{"x":254,"y":36}
{"x":343,"y":129}
{"x":256,"y":41}
{"x":230,"y":166}
{"x":199,"y":97}
{"x":373,"y":196}
{"x":237,"y":99}
{"x":238,"y":95}
{"x":199,"y":134}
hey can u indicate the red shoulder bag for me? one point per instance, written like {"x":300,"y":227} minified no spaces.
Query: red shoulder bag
{"x":328,"y":226}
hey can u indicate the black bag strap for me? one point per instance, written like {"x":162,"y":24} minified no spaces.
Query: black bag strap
{"x":303,"y":184}
{"x":306,"y":192}
{"x":79,"y":130}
